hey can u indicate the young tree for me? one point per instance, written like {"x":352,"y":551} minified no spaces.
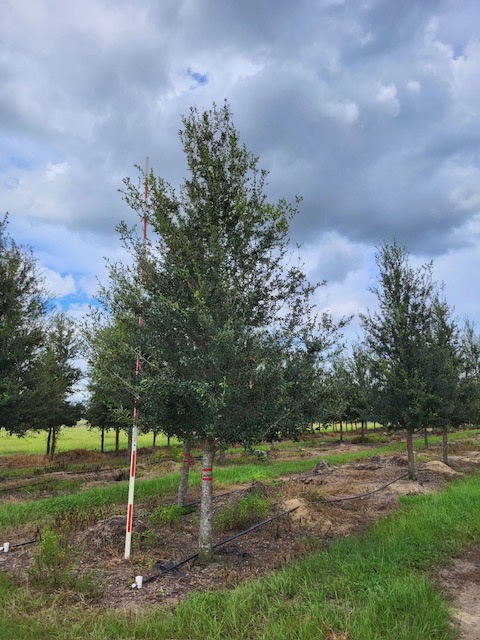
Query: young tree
{"x":23,"y":311}
{"x":361,"y":399}
{"x":443,"y":406}
{"x":397,"y":338}
{"x":110,"y":346}
{"x":223,"y":315}
{"x":470,"y":374}
{"x":55,"y":377}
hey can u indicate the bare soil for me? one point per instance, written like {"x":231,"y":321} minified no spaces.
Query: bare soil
{"x":321,"y":513}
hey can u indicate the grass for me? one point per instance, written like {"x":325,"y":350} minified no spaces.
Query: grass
{"x":80,"y":437}
{"x":374,"y":587}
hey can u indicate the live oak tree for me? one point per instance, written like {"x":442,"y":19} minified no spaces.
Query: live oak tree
{"x":470,"y":374}
{"x":444,"y":402}
{"x":361,"y":399}
{"x":55,"y":377}
{"x":228,"y":327}
{"x":397,"y":339}
{"x":23,"y":311}
{"x":110,"y":347}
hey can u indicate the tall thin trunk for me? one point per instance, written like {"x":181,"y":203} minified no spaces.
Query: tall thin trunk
{"x":49,"y":439}
{"x":186,"y":462}
{"x":425,"y":437}
{"x":445,"y":445}
{"x":102,"y":440}
{"x":168,"y":440}
{"x":222,"y":456}
{"x":154,"y":439}
{"x":341,"y":431}
{"x":129,"y":445}
{"x":411,"y":461}
{"x":363,"y":423}
{"x":117,"y":440}
{"x":205,"y":534}
{"x":53,"y":443}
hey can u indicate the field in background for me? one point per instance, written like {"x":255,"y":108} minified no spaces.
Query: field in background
{"x":80,"y":437}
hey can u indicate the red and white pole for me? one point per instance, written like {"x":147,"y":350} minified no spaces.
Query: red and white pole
{"x":138,"y":368}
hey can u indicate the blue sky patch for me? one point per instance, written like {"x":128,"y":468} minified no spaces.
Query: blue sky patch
{"x":200,"y":79}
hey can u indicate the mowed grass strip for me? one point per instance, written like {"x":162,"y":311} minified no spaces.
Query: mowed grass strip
{"x":373,"y":587}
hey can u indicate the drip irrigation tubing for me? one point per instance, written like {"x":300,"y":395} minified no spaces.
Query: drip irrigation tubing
{"x":21,"y":544}
{"x":169,"y":566}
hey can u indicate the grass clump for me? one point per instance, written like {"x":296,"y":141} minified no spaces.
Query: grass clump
{"x":243,"y":513}
{"x":168,"y":514}
{"x":53,"y":568}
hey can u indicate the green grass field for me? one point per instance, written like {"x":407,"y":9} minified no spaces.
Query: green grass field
{"x":80,"y":437}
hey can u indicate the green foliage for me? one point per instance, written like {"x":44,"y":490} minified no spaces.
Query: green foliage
{"x":23,"y":310}
{"x":397,"y":338}
{"x":243,"y":513}
{"x":168,"y":514}
{"x":53,"y":568}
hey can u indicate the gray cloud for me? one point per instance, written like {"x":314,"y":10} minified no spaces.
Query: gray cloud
{"x":368,"y":109}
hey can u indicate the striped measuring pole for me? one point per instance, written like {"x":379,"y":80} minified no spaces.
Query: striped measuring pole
{"x":136,"y":408}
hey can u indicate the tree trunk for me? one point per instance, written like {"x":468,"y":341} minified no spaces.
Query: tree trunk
{"x":222,"y":456}
{"x":168,"y":440}
{"x":53,"y":443}
{"x":154,"y":439}
{"x":49,"y":439}
{"x":341,"y":431}
{"x":129,"y":445}
{"x":363,"y":423}
{"x":102,"y":440}
{"x":425,"y":438}
{"x":445,"y":445}
{"x":411,"y":460}
{"x":205,"y":534}
{"x":117,"y":440}
{"x":187,"y":461}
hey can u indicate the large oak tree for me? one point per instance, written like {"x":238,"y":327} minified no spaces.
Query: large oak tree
{"x":230,"y":343}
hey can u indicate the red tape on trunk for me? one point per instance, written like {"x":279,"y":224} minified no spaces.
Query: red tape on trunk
{"x":207,"y":474}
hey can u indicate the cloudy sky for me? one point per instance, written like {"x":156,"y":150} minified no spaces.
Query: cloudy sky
{"x":368,"y":109}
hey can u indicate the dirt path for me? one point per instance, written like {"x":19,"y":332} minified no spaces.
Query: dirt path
{"x":461,"y":582}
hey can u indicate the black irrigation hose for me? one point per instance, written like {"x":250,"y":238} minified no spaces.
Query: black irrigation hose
{"x":21,"y":544}
{"x":173,"y":567}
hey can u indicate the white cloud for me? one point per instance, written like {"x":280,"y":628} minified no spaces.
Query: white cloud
{"x":58,"y":285}
{"x":413,"y":86}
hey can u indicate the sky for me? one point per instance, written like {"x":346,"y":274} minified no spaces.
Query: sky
{"x":367,"y":109}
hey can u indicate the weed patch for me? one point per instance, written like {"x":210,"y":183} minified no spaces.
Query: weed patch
{"x":243,"y":513}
